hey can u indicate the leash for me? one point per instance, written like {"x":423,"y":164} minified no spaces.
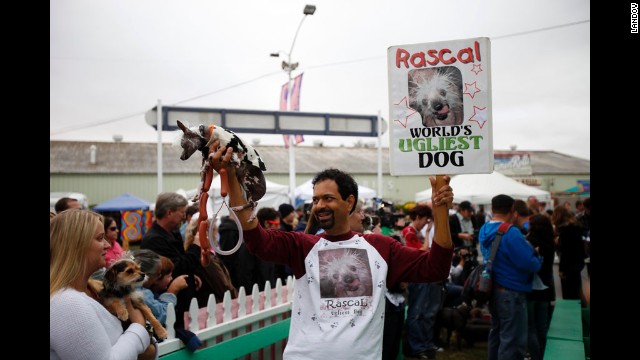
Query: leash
{"x":205,"y":228}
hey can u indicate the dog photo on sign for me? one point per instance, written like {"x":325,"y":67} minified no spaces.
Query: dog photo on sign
{"x":436,"y":93}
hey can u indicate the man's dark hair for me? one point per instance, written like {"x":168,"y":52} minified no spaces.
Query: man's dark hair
{"x":422,"y":211}
{"x":285,"y":209}
{"x":465,"y":205}
{"x":267,"y":213}
{"x":521,"y":208}
{"x":346,"y":184}
{"x":192,"y":209}
{"x":502,"y":204}
{"x":540,"y":227}
{"x":63,"y":204}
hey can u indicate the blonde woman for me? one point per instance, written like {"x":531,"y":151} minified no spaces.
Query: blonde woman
{"x":79,"y":326}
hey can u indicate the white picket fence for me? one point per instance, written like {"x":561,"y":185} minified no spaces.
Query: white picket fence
{"x":230,"y":318}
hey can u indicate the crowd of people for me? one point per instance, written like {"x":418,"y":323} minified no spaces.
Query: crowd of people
{"x":356,"y":270}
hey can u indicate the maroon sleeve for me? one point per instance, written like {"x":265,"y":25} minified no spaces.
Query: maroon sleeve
{"x":412,"y":265}
{"x":281,"y":247}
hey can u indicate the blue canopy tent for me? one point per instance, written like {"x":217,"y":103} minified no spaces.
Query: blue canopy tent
{"x":123,"y":202}
{"x":135,"y":217}
{"x":576,"y":189}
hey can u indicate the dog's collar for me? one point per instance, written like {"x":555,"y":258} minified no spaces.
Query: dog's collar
{"x":204,"y":134}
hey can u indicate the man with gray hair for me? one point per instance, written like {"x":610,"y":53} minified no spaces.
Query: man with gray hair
{"x":164,"y":238}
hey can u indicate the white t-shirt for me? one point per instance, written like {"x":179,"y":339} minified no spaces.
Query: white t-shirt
{"x":337,"y":301}
{"x":338,"y":298}
{"x":81,"y":328}
{"x":432,"y":231}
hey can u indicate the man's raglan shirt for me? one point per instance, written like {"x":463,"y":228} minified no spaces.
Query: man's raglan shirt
{"x":338,"y":300}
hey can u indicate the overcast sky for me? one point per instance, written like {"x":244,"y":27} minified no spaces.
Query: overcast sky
{"x":111,"y":60}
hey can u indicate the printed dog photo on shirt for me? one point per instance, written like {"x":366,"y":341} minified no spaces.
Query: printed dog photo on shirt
{"x":436,"y":93}
{"x":345,"y":273}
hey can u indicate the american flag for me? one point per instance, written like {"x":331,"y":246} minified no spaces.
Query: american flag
{"x":294,"y":105}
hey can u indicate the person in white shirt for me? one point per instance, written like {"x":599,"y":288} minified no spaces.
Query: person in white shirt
{"x":79,"y":326}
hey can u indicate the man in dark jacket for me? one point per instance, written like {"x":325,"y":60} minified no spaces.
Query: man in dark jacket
{"x":461,"y":225}
{"x":288,"y":222}
{"x":164,"y":238}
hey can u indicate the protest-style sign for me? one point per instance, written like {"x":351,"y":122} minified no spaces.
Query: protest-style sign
{"x":440,"y":108}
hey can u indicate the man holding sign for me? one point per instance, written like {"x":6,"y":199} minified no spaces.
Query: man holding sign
{"x":341,"y":276}
{"x":440,"y":111}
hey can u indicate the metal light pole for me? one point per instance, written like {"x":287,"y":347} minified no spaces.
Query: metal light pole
{"x":159,"y":119}
{"x":289,"y":66}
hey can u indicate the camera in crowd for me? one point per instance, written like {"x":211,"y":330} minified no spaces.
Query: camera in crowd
{"x":370,"y":221}
{"x":469,"y":255}
{"x":387,"y":219}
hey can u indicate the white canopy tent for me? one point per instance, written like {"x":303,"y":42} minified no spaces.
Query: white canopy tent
{"x":480,"y":188}
{"x":305,"y":191}
{"x":276,"y":194}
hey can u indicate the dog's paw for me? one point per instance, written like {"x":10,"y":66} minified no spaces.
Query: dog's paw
{"x":161,"y":333}
{"x":123,"y":314}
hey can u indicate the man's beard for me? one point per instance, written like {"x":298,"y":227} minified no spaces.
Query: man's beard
{"x":327,"y":223}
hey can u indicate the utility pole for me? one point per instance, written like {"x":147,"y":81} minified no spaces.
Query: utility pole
{"x":289,"y":66}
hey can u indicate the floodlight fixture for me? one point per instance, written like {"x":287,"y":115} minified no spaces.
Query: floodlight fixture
{"x":309,"y":9}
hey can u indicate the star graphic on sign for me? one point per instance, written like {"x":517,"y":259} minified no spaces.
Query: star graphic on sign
{"x":402,"y":112}
{"x":479,"y":115}
{"x":477,"y":68}
{"x":468,"y":86}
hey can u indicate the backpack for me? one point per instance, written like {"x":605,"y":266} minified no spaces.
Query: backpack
{"x":478,"y":285}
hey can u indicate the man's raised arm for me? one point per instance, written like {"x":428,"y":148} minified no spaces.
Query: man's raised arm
{"x":442,"y":199}
{"x":221,"y":159}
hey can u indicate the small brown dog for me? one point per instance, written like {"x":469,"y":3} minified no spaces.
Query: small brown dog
{"x":122,"y":279}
